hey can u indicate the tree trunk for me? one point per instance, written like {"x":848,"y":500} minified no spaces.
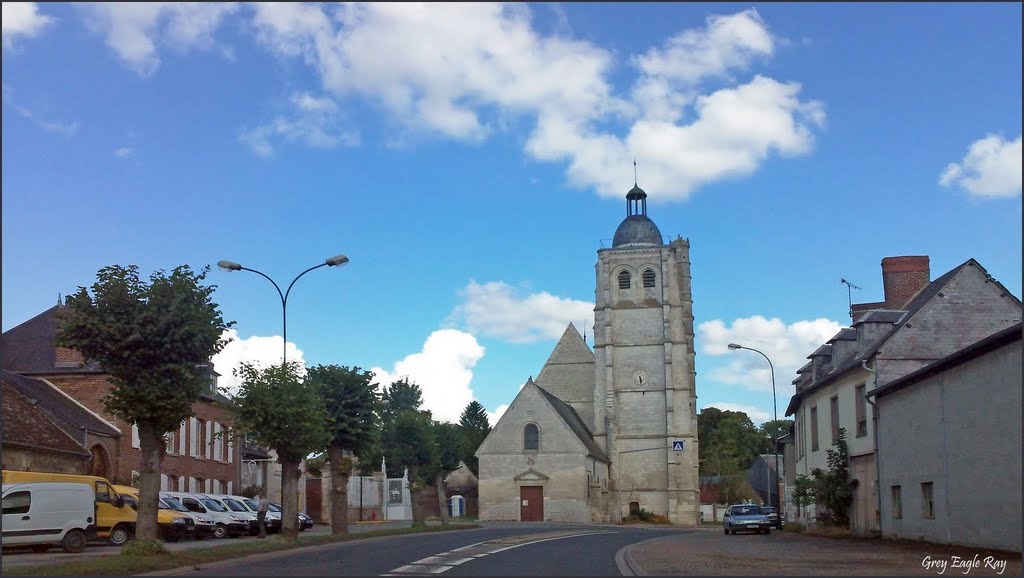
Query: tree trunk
{"x":289,"y":497}
{"x":414,"y":491}
{"x":442,"y":499}
{"x":153,"y":445}
{"x":340,"y":469}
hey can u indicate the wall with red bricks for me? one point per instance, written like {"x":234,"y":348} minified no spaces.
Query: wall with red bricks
{"x":89,"y":390}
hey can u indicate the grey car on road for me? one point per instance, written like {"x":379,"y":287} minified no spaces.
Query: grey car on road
{"x":745,"y":518}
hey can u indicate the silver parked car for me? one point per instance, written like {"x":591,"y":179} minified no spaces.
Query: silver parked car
{"x":746,"y":518}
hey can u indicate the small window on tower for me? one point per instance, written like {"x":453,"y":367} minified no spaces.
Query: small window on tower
{"x":624,"y":280}
{"x":649,"y":278}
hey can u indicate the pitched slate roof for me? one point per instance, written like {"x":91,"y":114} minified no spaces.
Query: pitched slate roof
{"x":64,"y":411}
{"x":26,"y":424}
{"x":996,"y":340}
{"x":898,"y":319}
{"x":30,"y":347}
{"x":575,"y":423}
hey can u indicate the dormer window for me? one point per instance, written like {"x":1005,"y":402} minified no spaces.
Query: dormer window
{"x":624,"y":280}
{"x":531,"y":437}
{"x":648,"y":278}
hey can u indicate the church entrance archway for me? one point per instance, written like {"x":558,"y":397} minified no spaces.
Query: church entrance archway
{"x":531,"y":500}
{"x":99,"y":463}
{"x":634,"y":508}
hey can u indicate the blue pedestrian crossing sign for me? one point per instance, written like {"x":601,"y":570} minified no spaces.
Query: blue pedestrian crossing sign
{"x":677,"y":446}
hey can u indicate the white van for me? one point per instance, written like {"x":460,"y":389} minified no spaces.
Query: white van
{"x":251,"y":506}
{"x":226,"y":522}
{"x":47,"y":514}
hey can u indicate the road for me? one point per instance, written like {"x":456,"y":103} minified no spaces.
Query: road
{"x":513,"y":549}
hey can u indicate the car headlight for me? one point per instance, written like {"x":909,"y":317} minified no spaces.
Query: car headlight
{"x":235,"y":518}
{"x":179,"y":521}
{"x":203,"y":520}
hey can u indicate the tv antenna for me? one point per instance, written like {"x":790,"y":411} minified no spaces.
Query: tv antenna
{"x":849,"y":293}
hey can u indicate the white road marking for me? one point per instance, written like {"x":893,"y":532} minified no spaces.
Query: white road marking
{"x":440,"y":563}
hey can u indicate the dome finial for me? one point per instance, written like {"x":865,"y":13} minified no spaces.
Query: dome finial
{"x":634,"y":172}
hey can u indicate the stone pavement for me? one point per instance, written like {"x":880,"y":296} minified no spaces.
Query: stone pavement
{"x":708,"y":552}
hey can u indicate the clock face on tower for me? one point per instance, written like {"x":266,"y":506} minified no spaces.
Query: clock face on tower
{"x":640,"y":377}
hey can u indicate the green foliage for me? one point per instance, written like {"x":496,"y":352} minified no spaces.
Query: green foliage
{"x":281,"y":411}
{"x":729,"y":442}
{"x":154,"y":339}
{"x":830,"y":489}
{"x":797,"y":527}
{"x":401,"y":395}
{"x":351,"y":404}
{"x":143,"y":548}
{"x":771,"y":431}
{"x":476,"y":426}
{"x":410,"y":442}
{"x":252,"y":490}
{"x":451,"y":445}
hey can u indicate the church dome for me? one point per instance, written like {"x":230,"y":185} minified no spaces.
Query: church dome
{"x":637,"y":230}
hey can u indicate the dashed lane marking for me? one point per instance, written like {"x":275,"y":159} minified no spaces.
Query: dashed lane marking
{"x":440,"y":563}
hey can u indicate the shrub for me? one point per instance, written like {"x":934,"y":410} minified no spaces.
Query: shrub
{"x":143,"y":548}
{"x":798,"y":527}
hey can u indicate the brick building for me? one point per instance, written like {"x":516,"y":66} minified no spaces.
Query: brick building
{"x":201,"y":455}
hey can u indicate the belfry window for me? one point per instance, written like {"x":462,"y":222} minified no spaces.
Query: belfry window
{"x":624,"y":280}
{"x":648,"y":278}
{"x":531,"y":437}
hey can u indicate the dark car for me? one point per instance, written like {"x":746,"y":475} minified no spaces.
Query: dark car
{"x":775,"y":519}
{"x":745,"y":518}
{"x":305,"y":522}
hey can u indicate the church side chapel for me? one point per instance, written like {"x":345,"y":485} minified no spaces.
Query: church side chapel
{"x":601,"y":434}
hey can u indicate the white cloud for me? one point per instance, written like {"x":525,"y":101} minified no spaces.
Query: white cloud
{"x":467,"y":70}
{"x":991,"y":169}
{"x":315,"y":121}
{"x":124,"y":152}
{"x":134,"y":29}
{"x":22,"y":19}
{"x":494,"y":416}
{"x":262,"y":351}
{"x":443,"y":370}
{"x":67,"y":129}
{"x":756,"y":415}
{"x":497,"y":309}
{"x":787,"y":346}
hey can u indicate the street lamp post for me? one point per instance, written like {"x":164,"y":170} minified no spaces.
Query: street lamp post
{"x":775,"y":418}
{"x":335,"y":261}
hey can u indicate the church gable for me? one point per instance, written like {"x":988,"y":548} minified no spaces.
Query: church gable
{"x":569,"y":373}
{"x":532,"y":407}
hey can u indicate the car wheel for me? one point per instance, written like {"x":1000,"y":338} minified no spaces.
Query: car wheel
{"x":220,"y":531}
{"x":119,"y":536}
{"x":768,"y":531}
{"x":74,"y":541}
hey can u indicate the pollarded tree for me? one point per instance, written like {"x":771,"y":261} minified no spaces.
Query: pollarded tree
{"x":451,"y":446}
{"x":400,"y":396}
{"x":475,"y":426}
{"x":411,"y":442}
{"x":351,"y":404}
{"x":275,"y":406}
{"x":155,"y":340}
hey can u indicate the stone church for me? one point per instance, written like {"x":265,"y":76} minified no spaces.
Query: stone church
{"x":600,"y":434}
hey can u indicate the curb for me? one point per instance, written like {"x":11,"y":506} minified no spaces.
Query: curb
{"x":628,"y":565}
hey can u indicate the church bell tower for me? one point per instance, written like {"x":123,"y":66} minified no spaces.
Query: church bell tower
{"x":644,"y":413}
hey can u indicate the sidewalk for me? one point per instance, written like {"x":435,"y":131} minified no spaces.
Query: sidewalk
{"x":24,"y":558}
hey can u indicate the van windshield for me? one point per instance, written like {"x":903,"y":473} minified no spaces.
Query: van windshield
{"x":213,"y":505}
{"x":252,"y":504}
{"x":235,"y":506}
{"x":170,"y":504}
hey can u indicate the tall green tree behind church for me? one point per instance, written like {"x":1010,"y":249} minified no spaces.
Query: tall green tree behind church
{"x":475,"y":427}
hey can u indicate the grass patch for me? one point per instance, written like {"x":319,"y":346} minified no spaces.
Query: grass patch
{"x":797,"y":527}
{"x":129,"y":564}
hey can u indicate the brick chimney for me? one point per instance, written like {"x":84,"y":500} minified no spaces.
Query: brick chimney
{"x":903,"y":277}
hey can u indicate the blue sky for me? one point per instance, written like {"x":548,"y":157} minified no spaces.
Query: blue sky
{"x":470,"y":159}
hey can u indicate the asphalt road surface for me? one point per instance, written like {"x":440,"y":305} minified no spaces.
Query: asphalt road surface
{"x":495,"y":550}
